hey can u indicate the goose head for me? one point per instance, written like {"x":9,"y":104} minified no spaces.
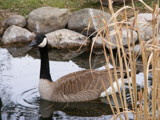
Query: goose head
{"x":39,"y":41}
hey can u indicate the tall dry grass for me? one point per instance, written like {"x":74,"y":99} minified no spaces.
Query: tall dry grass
{"x":149,"y":98}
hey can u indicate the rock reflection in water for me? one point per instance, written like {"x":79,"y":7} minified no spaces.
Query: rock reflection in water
{"x":58,"y":54}
{"x":83,"y":110}
{"x":81,"y":58}
{"x":18,"y":51}
{"x":83,"y":61}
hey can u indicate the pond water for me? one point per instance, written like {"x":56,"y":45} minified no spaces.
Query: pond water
{"x":19,"y":75}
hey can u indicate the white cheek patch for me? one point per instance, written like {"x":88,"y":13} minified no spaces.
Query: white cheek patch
{"x":44,"y":43}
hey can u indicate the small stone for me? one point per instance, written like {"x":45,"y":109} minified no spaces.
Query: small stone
{"x":17,"y":20}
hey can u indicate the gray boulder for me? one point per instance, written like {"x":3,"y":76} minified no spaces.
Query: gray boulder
{"x":47,"y":19}
{"x":17,"y":20}
{"x":98,"y":41}
{"x":17,"y":34}
{"x":80,"y":20}
{"x":144,"y":25}
{"x":66,"y":39}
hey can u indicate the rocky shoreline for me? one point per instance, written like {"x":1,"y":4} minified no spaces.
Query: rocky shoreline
{"x":74,"y":30}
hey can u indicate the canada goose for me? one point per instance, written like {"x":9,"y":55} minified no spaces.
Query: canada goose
{"x":78,"y":86}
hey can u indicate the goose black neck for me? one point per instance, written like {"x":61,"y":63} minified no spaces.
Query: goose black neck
{"x":44,"y":70}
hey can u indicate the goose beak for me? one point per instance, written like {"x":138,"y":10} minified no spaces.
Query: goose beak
{"x":33,"y":43}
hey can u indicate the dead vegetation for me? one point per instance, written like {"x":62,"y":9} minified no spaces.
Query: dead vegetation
{"x":144,"y":104}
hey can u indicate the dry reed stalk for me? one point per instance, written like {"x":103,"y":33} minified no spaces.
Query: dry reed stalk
{"x":150,"y":52}
{"x":114,"y":65}
{"x":155,"y":62}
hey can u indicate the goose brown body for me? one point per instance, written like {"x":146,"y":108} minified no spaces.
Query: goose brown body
{"x":78,"y":86}
{"x":75,"y":87}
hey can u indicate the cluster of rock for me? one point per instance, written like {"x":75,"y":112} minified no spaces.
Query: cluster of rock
{"x":63,"y":29}
{"x":69,"y":30}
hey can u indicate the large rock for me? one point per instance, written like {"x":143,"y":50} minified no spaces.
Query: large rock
{"x":144,"y":25}
{"x":47,"y":19}
{"x":17,"y":20}
{"x":66,"y":39}
{"x":83,"y":18}
{"x":126,"y":35}
{"x":17,"y":34}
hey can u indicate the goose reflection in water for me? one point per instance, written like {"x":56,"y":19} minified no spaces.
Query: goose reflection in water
{"x":81,"y":110}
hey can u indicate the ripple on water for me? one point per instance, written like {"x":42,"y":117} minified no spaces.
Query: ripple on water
{"x":18,"y":112}
{"x":26,"y":107}
{"x":29,"y":98}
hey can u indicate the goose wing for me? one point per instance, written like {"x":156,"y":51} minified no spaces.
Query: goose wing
{"x":81,"y":86}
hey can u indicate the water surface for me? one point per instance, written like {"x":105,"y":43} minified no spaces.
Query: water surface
{"x":19,"y":75}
